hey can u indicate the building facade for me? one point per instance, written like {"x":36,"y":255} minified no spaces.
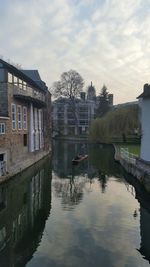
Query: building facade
{"x":66,"y":123}
{"x":144,"y":103}
{"x":24,"y":118}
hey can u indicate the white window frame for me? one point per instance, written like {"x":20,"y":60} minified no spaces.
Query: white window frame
{"x":13,"y":116}
{"x":19,"y":111}
{"x":2,"y":128}
{"x":25,"y":118}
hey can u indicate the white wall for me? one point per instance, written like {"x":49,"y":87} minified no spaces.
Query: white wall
{"x":145,"y":121}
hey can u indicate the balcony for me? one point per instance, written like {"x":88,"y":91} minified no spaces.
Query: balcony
{"x":30,"y":95}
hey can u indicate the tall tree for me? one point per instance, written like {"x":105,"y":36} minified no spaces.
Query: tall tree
{"x":70,"y":85}
{"x":103,"y":102}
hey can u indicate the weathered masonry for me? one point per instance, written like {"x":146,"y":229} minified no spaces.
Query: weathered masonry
{"x":25,"y":126}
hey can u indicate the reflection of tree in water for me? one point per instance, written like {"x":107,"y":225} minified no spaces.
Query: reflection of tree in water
{"x":69,"y":190}
{"x":102,"y":157}
{"x":103,"y":181}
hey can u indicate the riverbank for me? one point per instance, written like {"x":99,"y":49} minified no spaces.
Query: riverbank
{"x":134,"y":165}
{"x":20,"y":167}
{"x":72,"y":138}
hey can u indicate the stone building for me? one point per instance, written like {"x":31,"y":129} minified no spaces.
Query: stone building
{"x":63,"y":119}
{"x":24,"y":118}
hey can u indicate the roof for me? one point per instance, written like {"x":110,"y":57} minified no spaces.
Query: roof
{"x":146,"y":92}
{"x":35,"y":76}
{"x":30,"y":76}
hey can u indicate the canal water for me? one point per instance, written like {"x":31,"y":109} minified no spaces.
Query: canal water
{"x":91,"y":214}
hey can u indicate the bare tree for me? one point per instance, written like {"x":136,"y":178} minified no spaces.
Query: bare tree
{"x":70,"y":85}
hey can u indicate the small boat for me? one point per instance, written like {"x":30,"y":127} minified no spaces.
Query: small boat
{"x":79,"y":158}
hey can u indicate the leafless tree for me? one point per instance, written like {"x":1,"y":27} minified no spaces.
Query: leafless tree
{"x":70,"y":85}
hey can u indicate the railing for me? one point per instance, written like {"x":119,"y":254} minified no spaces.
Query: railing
{"x":129,"y":157}
{"x":29,"y":92}
{"x":2,"y":168}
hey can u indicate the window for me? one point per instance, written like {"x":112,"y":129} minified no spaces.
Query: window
{"x":20,"y":84}
{"x":13,"y":116}
{"x":2,"y":128}
{"x":60,"y":109}
{"x":24,"y":86}
{"x":19,"y":118}
{"x":24,"y":118}
{"x":15,"y":80}
{"x":83,"y":109}
{"x":10,"y":78}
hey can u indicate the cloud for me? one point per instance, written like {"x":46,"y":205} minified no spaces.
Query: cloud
{"x":106,"y":41}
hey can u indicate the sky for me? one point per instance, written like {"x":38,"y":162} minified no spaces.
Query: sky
{"x":106,"y":41}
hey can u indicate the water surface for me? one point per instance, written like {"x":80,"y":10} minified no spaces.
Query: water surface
{"x":92,"y":214}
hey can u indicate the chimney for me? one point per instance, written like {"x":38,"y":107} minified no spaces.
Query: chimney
{"x":146,"y":88}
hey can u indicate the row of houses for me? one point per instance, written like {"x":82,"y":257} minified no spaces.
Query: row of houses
{"x":25,"y":111}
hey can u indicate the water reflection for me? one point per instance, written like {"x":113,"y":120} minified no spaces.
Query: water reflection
{"x":72,"y":184}
{"x":100,"y":215}
{"x":103,"y":180}
{"x":136,"y":189}
{"x":100,"y":160}
{"x":25,"y":203}
{"x":145,"y":233}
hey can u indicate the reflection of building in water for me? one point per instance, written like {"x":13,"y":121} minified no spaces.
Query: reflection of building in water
{"x":143,"y":198}
{"x":64,"y":152}
{"x":145,"y":233}
{"x":25,"y":204}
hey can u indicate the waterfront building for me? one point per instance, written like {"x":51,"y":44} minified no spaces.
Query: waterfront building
{"x":144,"y":103}
{"x":24,"y":118}
{"x":63,"y":120}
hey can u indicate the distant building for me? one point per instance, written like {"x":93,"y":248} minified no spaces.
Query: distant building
{"x":63,"y":120}
{"x":24,"y":118}
{"x":91,"y":93}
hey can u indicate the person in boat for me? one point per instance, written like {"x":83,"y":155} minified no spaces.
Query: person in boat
{"x":77,"y":157}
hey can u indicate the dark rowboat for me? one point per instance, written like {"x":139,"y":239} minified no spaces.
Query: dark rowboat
{"x":79,"y":159}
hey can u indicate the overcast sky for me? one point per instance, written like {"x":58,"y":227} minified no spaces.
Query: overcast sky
{"x":106,"y":41}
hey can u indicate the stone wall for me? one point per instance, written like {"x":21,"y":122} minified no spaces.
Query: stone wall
{"x":140,"y":170}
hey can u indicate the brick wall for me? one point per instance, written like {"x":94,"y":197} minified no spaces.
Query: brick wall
{"x":12,"y":143}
